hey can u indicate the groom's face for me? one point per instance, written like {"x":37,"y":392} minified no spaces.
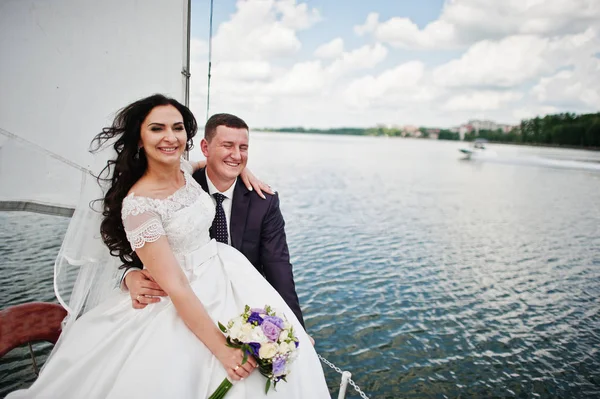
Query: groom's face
{"x":227,"y":152}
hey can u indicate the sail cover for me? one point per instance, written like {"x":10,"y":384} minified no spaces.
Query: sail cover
{"x":67,"y":67}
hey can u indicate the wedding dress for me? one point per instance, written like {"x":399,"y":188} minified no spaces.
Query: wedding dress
{"x":115,"y":351}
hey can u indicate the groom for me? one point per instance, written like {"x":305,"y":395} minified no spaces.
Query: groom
{"x":252,"y":225}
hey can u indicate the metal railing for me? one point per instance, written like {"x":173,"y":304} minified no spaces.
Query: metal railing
{"x":346,"y":379}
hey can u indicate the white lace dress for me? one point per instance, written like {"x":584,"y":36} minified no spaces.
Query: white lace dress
{"x":115,"y":351}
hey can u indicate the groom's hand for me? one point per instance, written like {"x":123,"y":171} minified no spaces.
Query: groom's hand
{"x":143,"y":290}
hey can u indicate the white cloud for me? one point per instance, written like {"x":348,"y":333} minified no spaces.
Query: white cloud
{"x":369,"y":26}
{"x":532,"y":110}
{"x":365,"y":57}
{"x":481,"y":100}
{"x":243,"y":70}
{"x":304,"y":78}
{"x":246,"y":48}
{"x":297,"y":16}
{"x":262,"y":72}
{"x":400,"y":85}
{"x":198,"y":48}
{"x":577,"y":87}
{"x":248,"y":81}
{"x":332,"y":49}
{"x":402,"y":32}
{"x":464,"y":22}
{"x":515,"y":60}
{"x":262,"y":30}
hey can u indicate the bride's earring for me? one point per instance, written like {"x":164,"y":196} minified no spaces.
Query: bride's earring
{"x":137,"y":154}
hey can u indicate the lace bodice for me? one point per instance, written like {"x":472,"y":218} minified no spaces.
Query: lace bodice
{"x":184,"y":217}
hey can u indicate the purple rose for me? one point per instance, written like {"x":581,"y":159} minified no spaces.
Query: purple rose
{"x":271,"y":330}
{"x":279,"y":366}
{"x":275,"y":320}
{"x":254,"y":347}
{"x":258,"y":310}
{"x":255,"y":317}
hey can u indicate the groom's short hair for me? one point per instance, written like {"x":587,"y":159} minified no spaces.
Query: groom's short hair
{"x":210,"y":129}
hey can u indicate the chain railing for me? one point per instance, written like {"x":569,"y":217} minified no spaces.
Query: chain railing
{"x":350,"y":381}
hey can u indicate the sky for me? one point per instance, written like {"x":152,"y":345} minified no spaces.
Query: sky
{"x":357,"y":63}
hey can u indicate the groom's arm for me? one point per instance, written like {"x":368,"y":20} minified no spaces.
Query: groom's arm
{"x":275,"y":257}
{"x":128,"y":270}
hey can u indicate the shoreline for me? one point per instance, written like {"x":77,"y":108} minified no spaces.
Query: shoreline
{"x":559,"y":146}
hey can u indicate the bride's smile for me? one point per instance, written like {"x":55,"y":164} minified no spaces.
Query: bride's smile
{"x":163,"y":135}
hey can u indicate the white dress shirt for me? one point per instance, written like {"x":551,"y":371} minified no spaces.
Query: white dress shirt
{"x":227,"y":202}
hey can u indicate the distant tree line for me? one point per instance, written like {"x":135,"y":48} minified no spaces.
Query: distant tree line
{"x":563,"y":129}
{"x":446,"y":134}
{"x":494,"y":135}
{"x":566,"y":129}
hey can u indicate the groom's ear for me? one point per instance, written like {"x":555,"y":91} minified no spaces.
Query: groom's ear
{"x":204,"y":147}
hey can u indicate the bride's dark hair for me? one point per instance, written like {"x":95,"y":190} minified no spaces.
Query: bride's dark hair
{"x":128,"y":167}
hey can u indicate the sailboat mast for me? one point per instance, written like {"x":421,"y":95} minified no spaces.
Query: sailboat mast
{"x":186,"y":72}
{"x":210,"y":34}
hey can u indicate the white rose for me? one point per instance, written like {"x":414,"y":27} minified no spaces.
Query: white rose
{"x":258,"y":336}
{"x":246,"y":330}
{"x":283,"y":335}
{"x":284,"y":347}
{"x":267,"y":351}
{"x":286,"y":325}
{"x":235,"y":331}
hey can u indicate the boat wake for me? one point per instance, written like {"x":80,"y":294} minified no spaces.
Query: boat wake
{"x":533,"y":161}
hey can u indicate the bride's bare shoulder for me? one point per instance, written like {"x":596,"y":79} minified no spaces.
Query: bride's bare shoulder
{"x":142,"y":188}
{"x":148,"y":188}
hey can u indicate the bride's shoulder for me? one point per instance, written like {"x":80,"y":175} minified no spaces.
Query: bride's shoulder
{"x":135,"y":205}
{"x":141,"y":188}
{"x":139,"y":199}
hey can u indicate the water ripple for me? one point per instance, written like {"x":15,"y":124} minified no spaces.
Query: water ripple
{"x":422,"y":275}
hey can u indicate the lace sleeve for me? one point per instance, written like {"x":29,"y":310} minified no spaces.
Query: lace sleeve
{"x":141,"y":223}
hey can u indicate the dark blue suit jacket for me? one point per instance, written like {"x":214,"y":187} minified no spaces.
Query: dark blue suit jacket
{"x":257,"y":230}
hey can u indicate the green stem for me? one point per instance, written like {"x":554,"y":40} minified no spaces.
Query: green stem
{"x":222,"y":390}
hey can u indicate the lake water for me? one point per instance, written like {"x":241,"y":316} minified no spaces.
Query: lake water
{"x":423,"y":274}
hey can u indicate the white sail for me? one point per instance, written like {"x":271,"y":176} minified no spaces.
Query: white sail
{"x":67,"y":66}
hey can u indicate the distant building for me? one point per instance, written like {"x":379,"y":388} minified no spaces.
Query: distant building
{"x":507,"y":128}
{"x":483,"y":125}
{"x":410,"y":129}
{"x":490,"y":125}
{"x":464,"y":129}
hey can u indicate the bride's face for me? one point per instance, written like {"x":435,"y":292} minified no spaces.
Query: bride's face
{"x":163,"y":135}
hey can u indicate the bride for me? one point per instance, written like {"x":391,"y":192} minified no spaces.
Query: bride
{"x":155,"y":213}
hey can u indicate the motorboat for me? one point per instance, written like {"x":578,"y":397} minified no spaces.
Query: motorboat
{"x":477,"y":148}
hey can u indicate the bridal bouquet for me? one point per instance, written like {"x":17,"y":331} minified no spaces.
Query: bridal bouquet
{"x":270,"y":338}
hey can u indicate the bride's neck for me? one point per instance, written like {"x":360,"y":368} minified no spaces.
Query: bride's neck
{"x":164,"y":173}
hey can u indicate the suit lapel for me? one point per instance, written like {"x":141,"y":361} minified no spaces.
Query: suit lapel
{"x":200,"y":177}
{"x":239,"y":214}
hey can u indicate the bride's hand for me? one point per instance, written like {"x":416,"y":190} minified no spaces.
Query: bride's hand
{"x":251,"y":181}
{"x":231,"y":359}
